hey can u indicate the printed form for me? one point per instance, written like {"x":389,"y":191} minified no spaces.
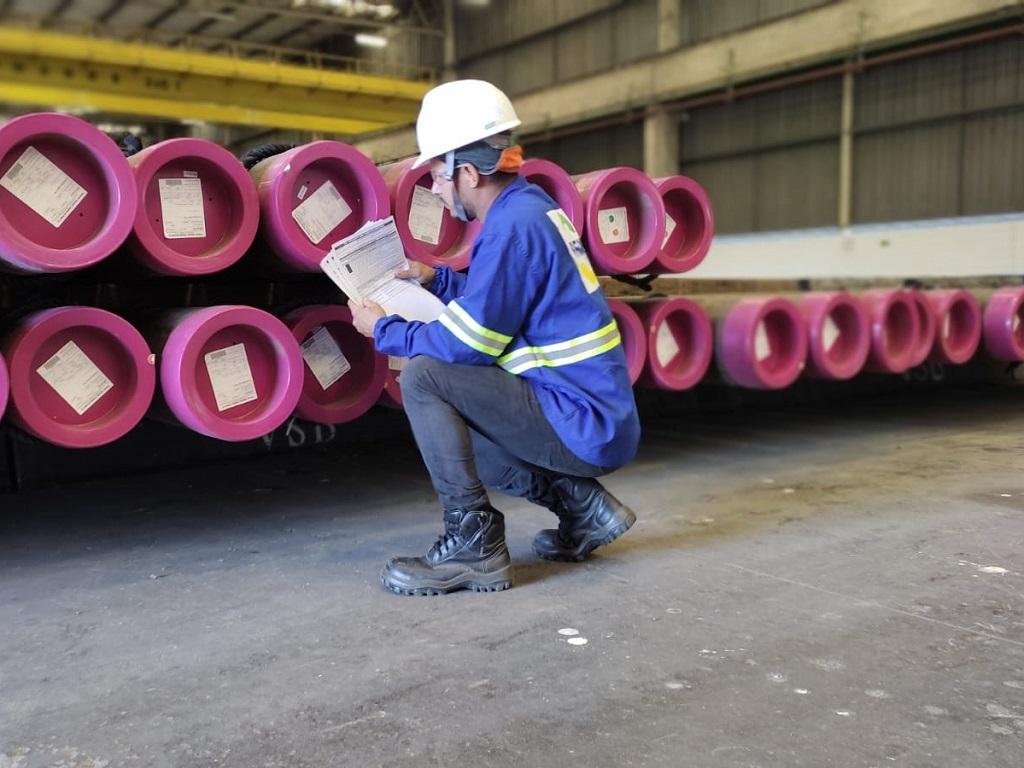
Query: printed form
{"x":363,"y":265}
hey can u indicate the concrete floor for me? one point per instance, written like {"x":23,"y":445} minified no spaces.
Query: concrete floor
{"x":829,"y":587}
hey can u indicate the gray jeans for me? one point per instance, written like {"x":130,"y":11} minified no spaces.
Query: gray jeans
{"x":480,"y":425}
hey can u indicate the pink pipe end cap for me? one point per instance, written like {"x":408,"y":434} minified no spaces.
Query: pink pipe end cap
{"x":4,"y":387}
{"x":322,"y":332}
{"x":762,"y":343}
{"x":625,"y":219}
{"x":559,"y":186}
{"x":838,"y":335}
{"x":634,"y":343}
{"x":228,"y":203}
{"x":266,"y":380}
{"x":85,"y":207}
{"x":895,"y":330}
{"x":958,"y":325}
{"x":689,"y":225}
{"x":306,"y":190}
{"x":440,"y":239}
{"x":680,"y":341}
{"x":1004,"y":324}
{"x":86,"y":409}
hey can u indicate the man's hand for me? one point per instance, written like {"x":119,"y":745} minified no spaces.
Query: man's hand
{"x":421,"y":273}
{"x":365,"y":316}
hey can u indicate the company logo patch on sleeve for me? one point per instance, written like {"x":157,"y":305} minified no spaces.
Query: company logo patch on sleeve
{"x":575,"y":246}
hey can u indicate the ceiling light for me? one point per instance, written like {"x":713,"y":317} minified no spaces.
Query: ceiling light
{"x":371,"y":41}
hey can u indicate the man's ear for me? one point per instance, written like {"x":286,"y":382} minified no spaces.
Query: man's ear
{"x":472,"y":175}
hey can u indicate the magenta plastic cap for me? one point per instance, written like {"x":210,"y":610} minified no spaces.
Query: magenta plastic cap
{"x":1004,"y":324}
{"x":926,"y":327}
{"x":314,"y":195}
{"x":4,"y":387}
{"x":231,"y":372}
{"x":198,"y":210}
{"x":895,"y":330}
{"x":559,"y":186}
{"x":679,"y":341}
{"x":67,"y":195}
{"x":634,"y":342}
{"x":762,"y":343}
{"x":344,"y":374}
{"x":625,"y":219}
{"x":429,"y":233}
{"x":957,"y":325}
{"x":838,"y":335}
{"x":81,"y":377}
{"x":689,"y":225}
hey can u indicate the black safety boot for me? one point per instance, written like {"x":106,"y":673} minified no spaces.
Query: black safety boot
{"x":471,"y":554}
{"x":588,"y":517}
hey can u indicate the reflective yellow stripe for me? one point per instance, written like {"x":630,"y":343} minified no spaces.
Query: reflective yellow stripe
{"x":467,"y":339}
{"x":473,"y":325}
{"x":548,"y":349}
{"x":549,"y":363}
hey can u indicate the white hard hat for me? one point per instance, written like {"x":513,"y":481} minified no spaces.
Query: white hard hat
{"x":459,"y":113}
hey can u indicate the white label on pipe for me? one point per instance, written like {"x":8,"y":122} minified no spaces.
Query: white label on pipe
{"x":181,"y":208}
{"x":613,"y":225}
{"x":829,"y":333}
{"x":42,"y":186}
{"x":303,"y":190}
{"x":670,"y":227}
{"x":397,"y":363}
{"x":230,"y":376}
{"x":321,"y":212}
{"x":762,"y":346}
{"x":324,"y":357}
{"x":576,"y":250}
{"x":75,"y":377}
{"x":947,"y":326}
{"x":425,"y":215}
{"x":665,"y":345}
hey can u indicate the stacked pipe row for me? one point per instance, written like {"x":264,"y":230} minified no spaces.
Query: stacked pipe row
{"x":768,"y":342}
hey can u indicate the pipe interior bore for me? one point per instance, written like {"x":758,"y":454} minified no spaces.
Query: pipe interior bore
{"x":350,"y":388}
{"x":678,"y":344}
{"x":775,"y":344}
{"x":846,"y":325}
{"x":898,"y":331}
{"x":690,"y":223}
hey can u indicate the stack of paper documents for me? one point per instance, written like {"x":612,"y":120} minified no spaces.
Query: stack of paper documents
{"x":363,"y":266}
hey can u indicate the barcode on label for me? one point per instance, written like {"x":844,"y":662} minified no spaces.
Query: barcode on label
{"x":14,"y":171}
{"x":334,"y":192}
{"x":218,"y":353}
{"x":51,"y":362}
{"x":172,"y":182}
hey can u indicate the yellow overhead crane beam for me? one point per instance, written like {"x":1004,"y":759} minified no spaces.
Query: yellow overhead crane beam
{"x":49,"y":69}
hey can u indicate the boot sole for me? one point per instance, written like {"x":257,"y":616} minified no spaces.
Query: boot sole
{"x":598,"y":539}
{"x":498,"y":581}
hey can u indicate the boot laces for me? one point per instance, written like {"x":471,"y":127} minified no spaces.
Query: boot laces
{"x":445,"y":543}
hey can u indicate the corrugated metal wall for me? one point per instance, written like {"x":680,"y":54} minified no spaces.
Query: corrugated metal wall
{"x":942,"y":135}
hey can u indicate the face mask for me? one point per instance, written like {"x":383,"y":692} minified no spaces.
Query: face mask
{"x":457,"y":207}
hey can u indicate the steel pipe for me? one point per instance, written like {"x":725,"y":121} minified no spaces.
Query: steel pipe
{"x":761,"y":342}
{"x":1004,"y":324}
{"x":689,"y":225}
{"x":679,"y":340}
{"x":344,"y":374}
{"x":314,"y":195}
{"x":429,"y":233}
{"x":634,"y":343}
{"x":198,"y":210}
{"x":895,"y":330}
{"x":838,"y":334}
{"x":80,"y":377}
{"x":230,"y":372}
{"x":958,"y":325}
{"x":67,"y":194}
{"x":624,"y":219}
{"x":558,"y":184}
